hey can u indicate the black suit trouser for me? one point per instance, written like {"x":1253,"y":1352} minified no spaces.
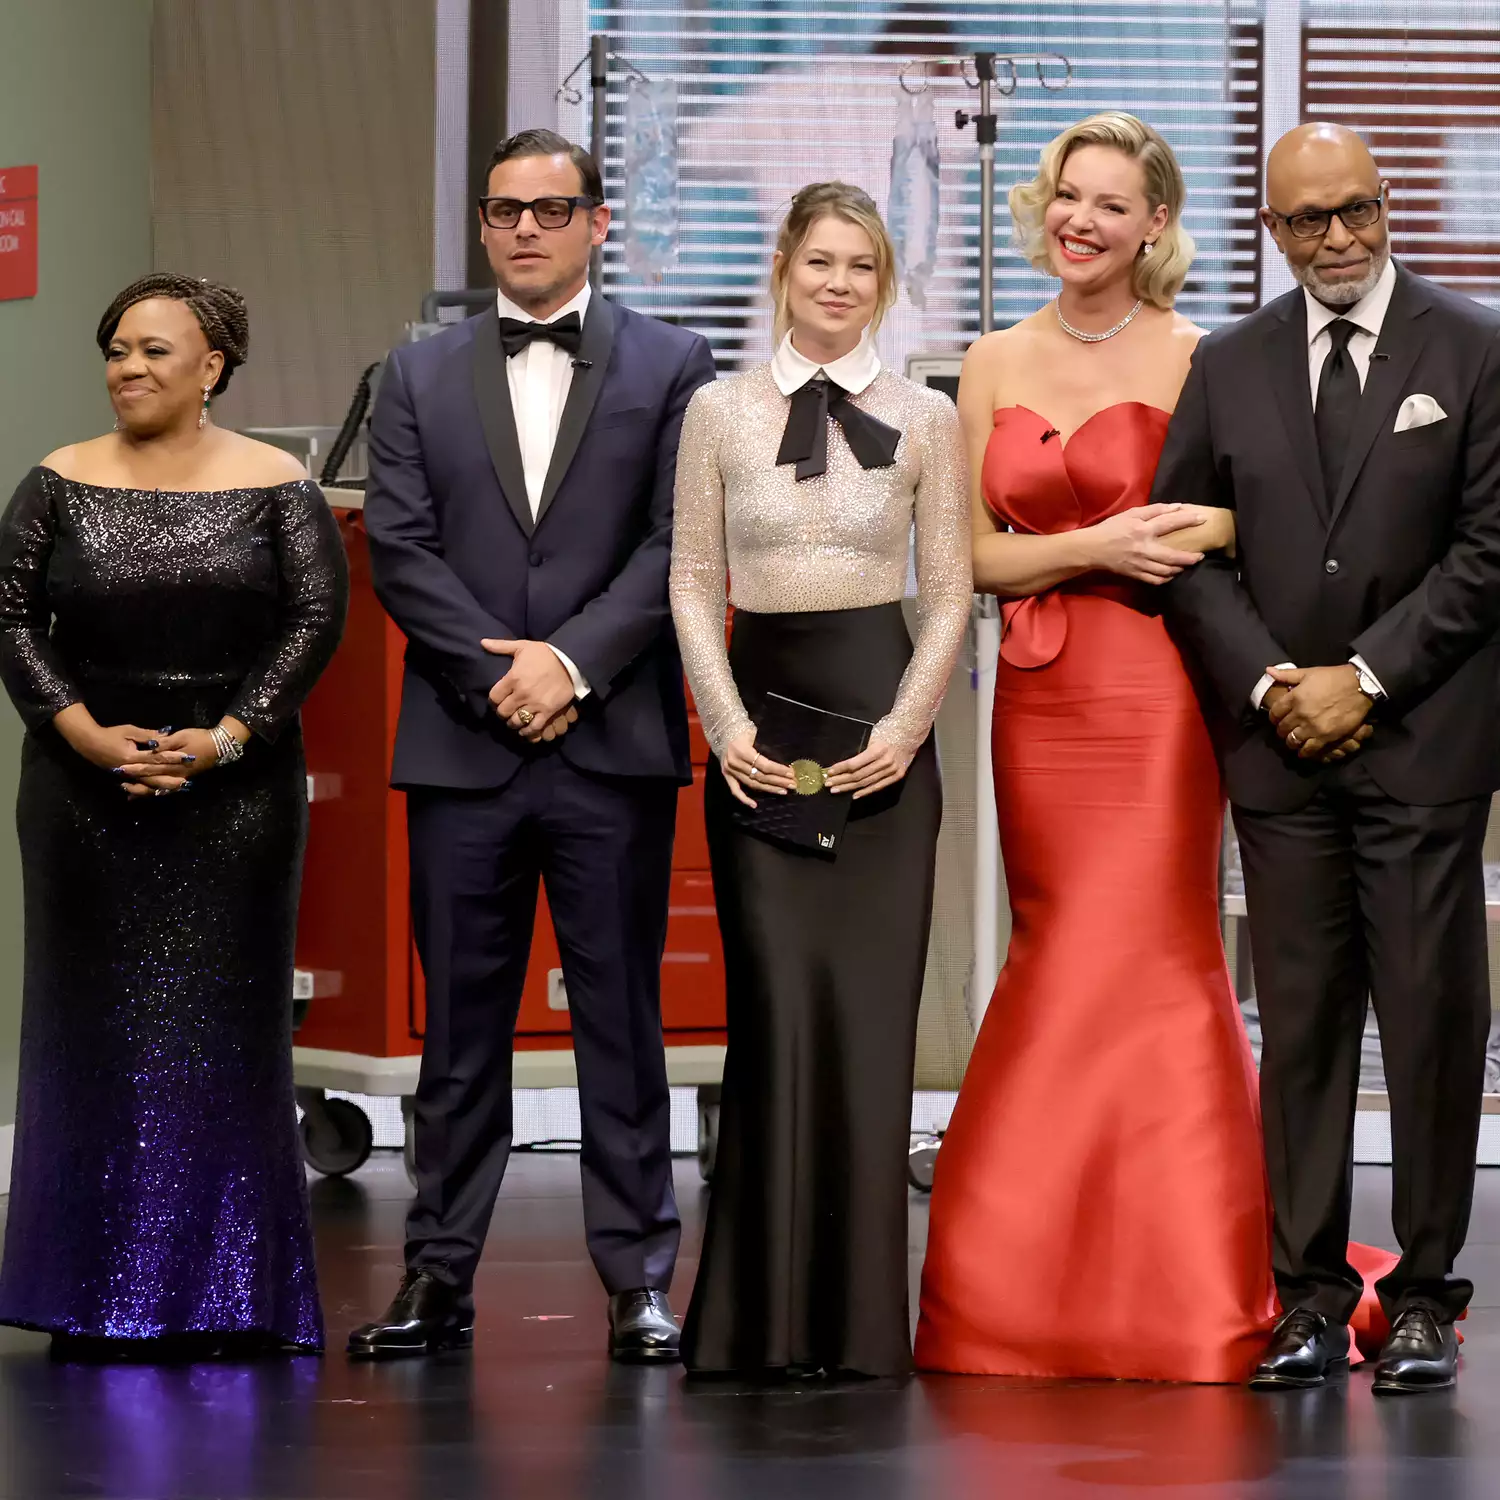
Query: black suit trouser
{"x":603,"y":847}
{"x":1359,"y":898}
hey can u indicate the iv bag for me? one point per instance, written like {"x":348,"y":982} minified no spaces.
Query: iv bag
{"x":913,"y":215}
{"x":651,"y":198}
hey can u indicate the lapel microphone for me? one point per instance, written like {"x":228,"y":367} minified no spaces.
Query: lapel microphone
{"x":1051,"y":432}
{"x":1374,"y":357}
{"x":583,"y":364}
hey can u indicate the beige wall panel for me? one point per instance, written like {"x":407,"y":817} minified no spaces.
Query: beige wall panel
{"x":292,"y":156}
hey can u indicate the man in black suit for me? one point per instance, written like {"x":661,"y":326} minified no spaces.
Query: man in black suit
{"x":519,"y":512}
{"x":1353,"y":425}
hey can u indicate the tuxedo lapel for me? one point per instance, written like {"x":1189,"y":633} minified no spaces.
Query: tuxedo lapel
{"x":1402,"y":336}
{"x":1286,"y":349}
{"x":497,"y":417}
{"x":588,"y":380}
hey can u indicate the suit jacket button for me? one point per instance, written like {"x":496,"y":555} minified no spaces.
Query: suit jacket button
{"x":536,"y":560}
{"x":1331,"y":566}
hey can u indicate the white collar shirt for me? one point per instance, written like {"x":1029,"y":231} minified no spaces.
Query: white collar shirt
{"x":854,"y":371}
{"x":540,"y":377}
{"x":1368,"y":317}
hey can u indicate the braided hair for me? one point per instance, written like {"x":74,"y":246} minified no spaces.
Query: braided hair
{"x":219,"y":309}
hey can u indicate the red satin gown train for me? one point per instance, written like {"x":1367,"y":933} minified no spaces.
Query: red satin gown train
{"x":1099,"y":1206}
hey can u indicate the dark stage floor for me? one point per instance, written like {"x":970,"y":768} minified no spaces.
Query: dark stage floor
{"x":537,"y":1412}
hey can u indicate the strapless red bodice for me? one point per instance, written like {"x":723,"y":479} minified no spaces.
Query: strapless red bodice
{"x":1034,"y":482}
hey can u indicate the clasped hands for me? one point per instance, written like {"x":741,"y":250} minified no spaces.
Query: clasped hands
{"x":149,"y":762}
{"x":745,"y":770}
{"x":1319,"y":712}
{"x":535,"y":697}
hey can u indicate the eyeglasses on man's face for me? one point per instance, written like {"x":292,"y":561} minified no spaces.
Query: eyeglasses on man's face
{"x":1312,"y":224}
{"x":549,"y":213}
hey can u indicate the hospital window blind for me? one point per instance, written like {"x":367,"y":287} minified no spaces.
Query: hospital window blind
{"x":775,"y":94}
{"x":1427,"y":100}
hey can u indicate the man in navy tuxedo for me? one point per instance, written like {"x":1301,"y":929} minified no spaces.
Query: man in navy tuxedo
{"x":519,"y":512}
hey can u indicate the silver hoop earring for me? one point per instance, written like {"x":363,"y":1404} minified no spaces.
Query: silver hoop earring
{"x":208,"y":391}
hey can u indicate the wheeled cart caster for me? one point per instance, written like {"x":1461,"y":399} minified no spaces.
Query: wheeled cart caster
{"x":708,"y":1128}
{"x":337,"y":1136}
{"x":920,"y":1161}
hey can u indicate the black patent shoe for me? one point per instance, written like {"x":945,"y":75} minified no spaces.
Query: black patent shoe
{"x":1305,"y":1349}
{"x":426,"y":1317}
{"x":642,"y":1330}
{"x":1420,"y":1355}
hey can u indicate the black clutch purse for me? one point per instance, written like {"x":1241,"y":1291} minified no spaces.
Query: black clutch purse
{"x":809,"y":740}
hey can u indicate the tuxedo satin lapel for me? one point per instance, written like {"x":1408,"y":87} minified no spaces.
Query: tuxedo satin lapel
{"x":593,"y":357}
{"x":1286,"y":348}
{"x":1402,"y":336}
{"x":498,"y":418}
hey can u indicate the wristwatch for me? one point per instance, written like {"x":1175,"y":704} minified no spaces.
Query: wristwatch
{"x":1367,"y":683}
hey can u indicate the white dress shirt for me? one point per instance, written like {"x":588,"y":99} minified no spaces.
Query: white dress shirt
{"x":540,"y":377}
{"x":1368,"y":317}
{"x":854,"y":371}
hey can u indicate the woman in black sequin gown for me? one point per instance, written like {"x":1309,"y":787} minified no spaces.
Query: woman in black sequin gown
{"x":154,"y":583}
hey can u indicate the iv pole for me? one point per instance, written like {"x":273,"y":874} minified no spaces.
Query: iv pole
{"x":598,"y":61}
{"x":599,"y":83}
{"x":985,"y":967}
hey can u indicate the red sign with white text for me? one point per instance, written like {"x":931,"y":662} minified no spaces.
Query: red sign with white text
{"x":17,"y":233}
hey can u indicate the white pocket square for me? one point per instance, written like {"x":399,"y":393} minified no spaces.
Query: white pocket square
{"x":1418,"y":411}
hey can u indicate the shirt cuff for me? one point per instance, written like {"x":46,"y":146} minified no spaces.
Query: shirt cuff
{"x":1267,"y":682}
{"x":1362,"y":666}
{"x":580,"y":686}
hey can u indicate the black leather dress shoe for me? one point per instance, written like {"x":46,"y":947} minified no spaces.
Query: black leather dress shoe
{"x":426,"y":1316}
{"x":1305,"y":1349}
{"x":642,"y":1330}
{"x":1420,"y":1355}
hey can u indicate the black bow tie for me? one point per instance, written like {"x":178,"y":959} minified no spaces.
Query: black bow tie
{"x":517,"y":334}
{"x":805,"y":441}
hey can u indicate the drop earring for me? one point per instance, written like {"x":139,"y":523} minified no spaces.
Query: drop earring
{"x":208,"y":391}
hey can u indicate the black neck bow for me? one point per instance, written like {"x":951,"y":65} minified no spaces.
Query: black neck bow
{"x":805,"y":441}
{"x":517,"y":334}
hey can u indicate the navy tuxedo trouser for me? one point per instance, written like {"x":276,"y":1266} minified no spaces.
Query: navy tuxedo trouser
{"x":603,"y":846}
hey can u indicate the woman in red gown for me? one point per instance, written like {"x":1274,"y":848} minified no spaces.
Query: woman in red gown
{"x":1099,"y":1206}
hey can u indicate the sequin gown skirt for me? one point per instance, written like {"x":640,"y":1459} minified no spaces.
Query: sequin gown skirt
{"x":804,"y":1258}
{"x":157,"y":1187}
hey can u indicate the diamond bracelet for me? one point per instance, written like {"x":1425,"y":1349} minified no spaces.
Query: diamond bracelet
{"x":226,"y":746}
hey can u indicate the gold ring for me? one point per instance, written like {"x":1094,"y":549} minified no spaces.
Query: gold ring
{"x":1291,"y":737}
{"x":524,"y":717}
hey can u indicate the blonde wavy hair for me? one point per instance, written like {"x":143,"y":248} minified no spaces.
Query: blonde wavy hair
{"x":838,"y":200}
{"x":1159,"y":276}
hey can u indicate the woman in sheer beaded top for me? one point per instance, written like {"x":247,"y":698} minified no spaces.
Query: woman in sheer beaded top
{"x":803,"y":481}
{"x":169,"y":594}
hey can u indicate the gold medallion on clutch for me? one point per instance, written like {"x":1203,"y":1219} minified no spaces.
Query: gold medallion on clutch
{"x":809,"y":777}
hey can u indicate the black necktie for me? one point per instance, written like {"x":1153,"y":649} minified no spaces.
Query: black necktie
{"x":517,"y":334}
{"x":1338,"y":405}
{"x":805,"y":440}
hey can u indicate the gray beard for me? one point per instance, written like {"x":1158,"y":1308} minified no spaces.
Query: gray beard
{"x":1343,"y":293}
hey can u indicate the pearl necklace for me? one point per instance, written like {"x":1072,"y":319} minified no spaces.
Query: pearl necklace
{"x":1097,"y":338}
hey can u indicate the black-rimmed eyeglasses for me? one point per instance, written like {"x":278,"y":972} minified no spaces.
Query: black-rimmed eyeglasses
{"x":1312,"y":224}
{"x":549,"y":213}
